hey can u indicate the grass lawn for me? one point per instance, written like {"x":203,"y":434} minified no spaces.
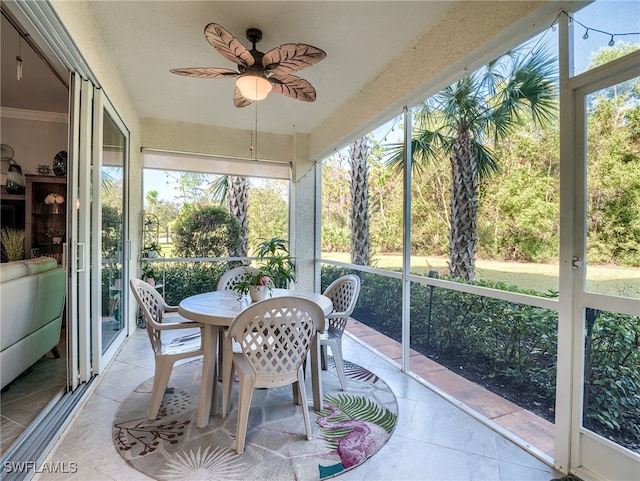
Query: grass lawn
{"x":540,"y":277}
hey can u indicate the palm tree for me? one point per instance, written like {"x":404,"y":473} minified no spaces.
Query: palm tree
{"x":358,"y":159}
{"x":151,"y":200}
{"x":235,"y":190}
{"x":462,"y":121}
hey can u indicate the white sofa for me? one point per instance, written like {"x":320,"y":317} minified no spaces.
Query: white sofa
{"x":32,"y":296}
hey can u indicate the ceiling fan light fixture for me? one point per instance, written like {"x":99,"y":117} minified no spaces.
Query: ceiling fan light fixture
{"x":253,"y":86}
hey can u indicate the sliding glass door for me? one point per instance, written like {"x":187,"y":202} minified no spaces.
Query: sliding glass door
{"x":97,"y":294}
{"x":111,"y":179}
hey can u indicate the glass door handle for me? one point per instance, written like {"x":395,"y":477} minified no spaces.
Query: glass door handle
{"x":81,"y":257}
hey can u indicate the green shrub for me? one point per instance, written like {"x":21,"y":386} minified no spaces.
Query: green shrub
{"x":205,"y":231}
{"x":516,"y":343}
{"x":190,"y":278}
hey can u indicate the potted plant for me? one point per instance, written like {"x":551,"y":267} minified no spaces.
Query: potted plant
{"x":56,"y":234}
{"x":149,"y":273}
{"x":151,"y":249}
{"x":256,"y":285}
{"x":275,"y":269}
{"x":273,"y":257}
{"x":13,"y":243}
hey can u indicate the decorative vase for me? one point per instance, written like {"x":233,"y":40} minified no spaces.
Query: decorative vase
{"x":15,"y":179}
{"x":258,"y":293}
{"x":60,"y":163}
{"x":56,"y":239}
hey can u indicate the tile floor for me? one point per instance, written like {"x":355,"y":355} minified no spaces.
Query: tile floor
{"x":30,"y":393}
{"x":434,"y":440}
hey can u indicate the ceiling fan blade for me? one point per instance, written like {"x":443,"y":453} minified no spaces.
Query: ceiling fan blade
{"x":228,"y":45}
{"x":240,"y":100}
{"x":291,"y":57}
{"x":294,"y":87}
{"x":205,"y":72}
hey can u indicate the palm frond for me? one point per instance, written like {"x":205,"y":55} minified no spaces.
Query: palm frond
{"x":219,"y":189}
{"x":359,"y":373}
{"x":357,"y":407}
{"x":486,"y":160}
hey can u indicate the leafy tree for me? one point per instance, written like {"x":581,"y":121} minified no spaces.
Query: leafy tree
{"x":205,"y":231}
{"x":271,"y":208}
{"x":613,"y":179}
{"x":111,"y":230}
{"x":335,"y":205}
{"x":190,"y":186}
{"x":462,"y":120}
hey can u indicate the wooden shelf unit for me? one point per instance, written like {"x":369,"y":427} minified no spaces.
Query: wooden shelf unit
{"x":40,"y":217}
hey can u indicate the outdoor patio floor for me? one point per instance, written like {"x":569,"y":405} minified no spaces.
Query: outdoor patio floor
{"x":434,"y":439}
{"x":534,"y":432}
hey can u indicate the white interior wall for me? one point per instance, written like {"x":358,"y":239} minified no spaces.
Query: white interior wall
{"x":35,"y":139}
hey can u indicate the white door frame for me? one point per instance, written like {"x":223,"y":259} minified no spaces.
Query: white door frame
{"x":579,"y":450}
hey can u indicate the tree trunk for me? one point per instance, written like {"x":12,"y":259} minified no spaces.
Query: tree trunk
{"x":360,"y":249}
{"x":464,"y":208}
{"x":238,"y":194}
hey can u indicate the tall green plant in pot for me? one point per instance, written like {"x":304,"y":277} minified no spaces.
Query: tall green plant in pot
{"x":276,"y":262}
{"x":13,"y":243}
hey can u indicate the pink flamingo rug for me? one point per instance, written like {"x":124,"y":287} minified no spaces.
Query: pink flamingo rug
{"x":352,"y":427}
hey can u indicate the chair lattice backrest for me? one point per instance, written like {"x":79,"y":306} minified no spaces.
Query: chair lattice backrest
{"x":275,"y":334}
{"x":152,"y":306}
{"x":234,"y":275}
{"x":344,"y":293}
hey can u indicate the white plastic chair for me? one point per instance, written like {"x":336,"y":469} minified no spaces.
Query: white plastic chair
{"x":343,"y":292}
{"x":166,"y":354}
{"x":233,"y":275}
{"x":275,"y":336}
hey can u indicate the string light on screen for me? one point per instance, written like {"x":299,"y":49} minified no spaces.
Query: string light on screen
{"x":588,"y":29}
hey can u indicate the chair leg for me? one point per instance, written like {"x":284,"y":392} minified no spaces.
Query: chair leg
{"x":336,"y":350}
{"x":245,"y":393}
{"x":160,"y":381}
{"x":323,"y":356}
{"x":303,"y":402}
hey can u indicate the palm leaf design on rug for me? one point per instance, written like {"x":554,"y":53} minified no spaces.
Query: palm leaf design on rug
{"x":355,"y":427}
{"x":353,"y":371}
{"x":217,"y":465}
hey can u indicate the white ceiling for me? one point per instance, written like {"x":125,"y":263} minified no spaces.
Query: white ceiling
{"x":147,"y":38}
{"x":362,"y":40}
{"x":39,"y":88}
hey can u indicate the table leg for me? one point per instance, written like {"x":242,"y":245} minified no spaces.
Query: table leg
{"x":208,"y":384}
{"x":316,"y":380}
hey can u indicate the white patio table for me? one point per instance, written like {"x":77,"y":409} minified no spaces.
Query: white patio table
{"x":217,"y":310}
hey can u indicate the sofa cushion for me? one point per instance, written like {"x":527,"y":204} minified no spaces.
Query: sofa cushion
{"x":41,"y":264}
{"x":17,"y":298}
{"x":50,"y":295}
{"x":12,"y":270}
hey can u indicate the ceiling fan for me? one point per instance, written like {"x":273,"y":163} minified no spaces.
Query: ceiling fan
{"x":259,"y":73}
